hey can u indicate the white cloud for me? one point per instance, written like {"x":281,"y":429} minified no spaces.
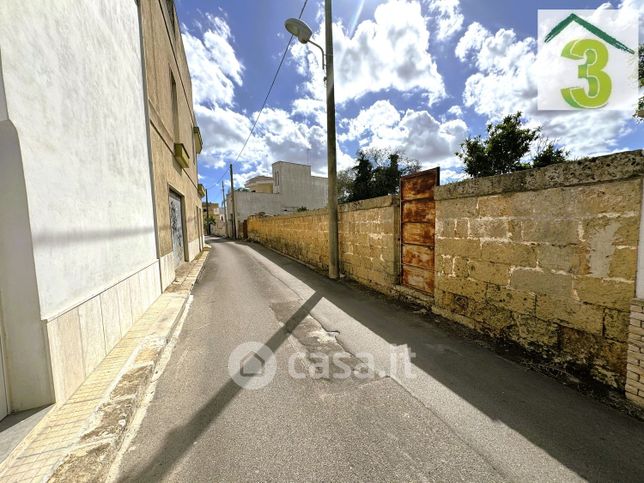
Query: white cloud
{"x":388,"y":52}
{"x":214,"y":66}
{"x":455,"y":111}
{"x":216,"y":71}
{"x":449,"y":18}
{"x":471,"y":40}
{"x":416,"y":133}
{"x":506,"y":83}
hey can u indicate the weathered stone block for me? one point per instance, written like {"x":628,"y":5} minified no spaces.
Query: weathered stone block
{"x":489,"y":228}
{"x":582,"y":316}
{"x":473,"y":289}
{"x":496,"y":273}
{"x":457,"y":246}
{"x":542,"y":282}
{"x":456,"y":208}
{"x":508,"y":253}
{"x":622,"y":230}
{"x":569,"y":258}
{"x":462,"y":228}
{"x":553,"y":231}
{"x":623,"y":263}
{"x":609,"y":293}
{"x":460,"y":267}
{"x":604,"y":198}
{"x":495,"y":206}
{"x":532,"y":332}
{"x":514,"y":300}
{"x":616,"y":324}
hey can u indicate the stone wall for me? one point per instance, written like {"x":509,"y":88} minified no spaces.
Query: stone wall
{"x":545,"y":258}
{"x":635,"y":361}
{"x":368,"y":239}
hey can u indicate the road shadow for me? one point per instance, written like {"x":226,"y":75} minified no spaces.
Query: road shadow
{"x":595,"y":441}
{"x":178,"y":441}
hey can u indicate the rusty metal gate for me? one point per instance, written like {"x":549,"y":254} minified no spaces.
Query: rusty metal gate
{"x":417,"y":226}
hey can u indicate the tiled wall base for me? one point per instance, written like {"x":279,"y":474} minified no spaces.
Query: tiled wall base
{"x":81,"y":338}
{"x":635,"y":364}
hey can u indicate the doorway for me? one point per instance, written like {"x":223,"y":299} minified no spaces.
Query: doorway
{"x":176,"y":228}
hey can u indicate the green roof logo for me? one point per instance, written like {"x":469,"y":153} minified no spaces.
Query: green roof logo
{"x":591,"y":28}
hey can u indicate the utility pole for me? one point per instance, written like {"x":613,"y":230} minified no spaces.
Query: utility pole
{"x":207,"y":214}
{"x":232,"y":198}
{"x":331,"y":154}
{"x":223,"y":200}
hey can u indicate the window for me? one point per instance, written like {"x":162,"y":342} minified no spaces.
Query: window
{"x":170,"y":7}
{"x":175,"y":109}
{"x":277,"y":178}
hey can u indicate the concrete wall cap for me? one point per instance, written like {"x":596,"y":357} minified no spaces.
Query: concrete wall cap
{"x":611,"y":167}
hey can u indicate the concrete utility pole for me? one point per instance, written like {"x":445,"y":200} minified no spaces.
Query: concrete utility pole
{"x":330,"y":136}
{"x":223,"y":201}
{"x":232,"y":199}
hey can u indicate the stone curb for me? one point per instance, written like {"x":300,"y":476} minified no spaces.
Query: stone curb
{"x":90,"y":459}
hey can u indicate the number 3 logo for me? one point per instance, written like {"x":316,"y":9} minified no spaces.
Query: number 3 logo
{"x":599,"y":83}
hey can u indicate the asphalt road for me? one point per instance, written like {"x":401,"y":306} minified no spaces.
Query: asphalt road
{"x":462,"y":414}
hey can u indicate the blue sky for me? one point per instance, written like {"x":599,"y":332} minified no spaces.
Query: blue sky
{"x":414,"y":75}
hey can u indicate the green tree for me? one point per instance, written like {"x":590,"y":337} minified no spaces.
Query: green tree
{"x":344,"y":184}
{"x":386,"y":178}
{"x":547,"y":154}
{"x":507,"y":143}
{"x":361,"y":188}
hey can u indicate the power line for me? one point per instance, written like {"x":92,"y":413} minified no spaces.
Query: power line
{"x":270,"y":89}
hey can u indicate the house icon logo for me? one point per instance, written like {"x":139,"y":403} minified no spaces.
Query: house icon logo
{"x":582,"y":64}
{"x":252,"y":365}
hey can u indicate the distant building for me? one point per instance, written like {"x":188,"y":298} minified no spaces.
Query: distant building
{"x":214,"y":219}
{"x":213,"y":211}
{"x":290,"y":188}
{"x":260,"y":184}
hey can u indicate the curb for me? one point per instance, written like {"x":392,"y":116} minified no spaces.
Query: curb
{"x":91,"y":457}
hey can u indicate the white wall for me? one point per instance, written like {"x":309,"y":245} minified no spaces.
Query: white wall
{"x":72,"y":73}
{"x":298,"y":188}
{"x":75,"y":193}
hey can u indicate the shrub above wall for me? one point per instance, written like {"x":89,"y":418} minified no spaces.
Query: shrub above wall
{"x":545,"y":258}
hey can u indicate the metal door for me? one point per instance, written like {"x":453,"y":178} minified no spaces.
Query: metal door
{"x":176,"y":228}
{"x":417,"y":226}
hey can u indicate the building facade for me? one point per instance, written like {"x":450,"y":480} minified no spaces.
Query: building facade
{"x":174,"y":139}
{"x":292,"y":187}
{"x":88,"y":184}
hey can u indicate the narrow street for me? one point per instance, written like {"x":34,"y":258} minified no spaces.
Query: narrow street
{"x":466,"y":414}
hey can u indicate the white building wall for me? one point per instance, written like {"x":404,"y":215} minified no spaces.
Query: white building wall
{"x":74,"y":93}
{"x":293,"y":188}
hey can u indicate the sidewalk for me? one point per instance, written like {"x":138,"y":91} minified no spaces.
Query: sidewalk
{"x":78,"y":439}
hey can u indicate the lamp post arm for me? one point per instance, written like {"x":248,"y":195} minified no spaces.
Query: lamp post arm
{"x":321,"y":50}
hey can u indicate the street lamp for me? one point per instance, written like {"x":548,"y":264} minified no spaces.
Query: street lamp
{"x":303,"y":32}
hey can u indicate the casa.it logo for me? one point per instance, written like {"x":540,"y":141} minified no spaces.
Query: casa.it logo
{"x":587,"y":59}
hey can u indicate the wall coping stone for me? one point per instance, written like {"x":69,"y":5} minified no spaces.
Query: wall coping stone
{"x":611,"y":167}
{"x":369,"y":204}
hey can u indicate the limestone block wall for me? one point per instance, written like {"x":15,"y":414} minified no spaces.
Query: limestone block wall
{"x":545,"y":258}
{"x":368,"y":239}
